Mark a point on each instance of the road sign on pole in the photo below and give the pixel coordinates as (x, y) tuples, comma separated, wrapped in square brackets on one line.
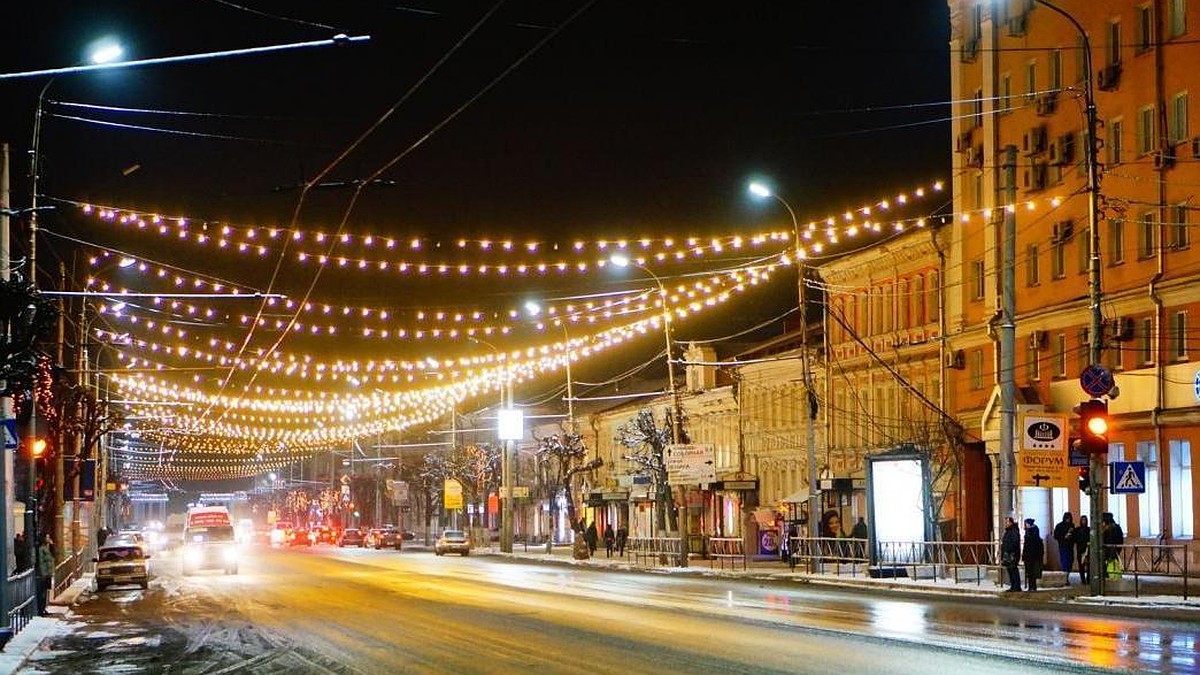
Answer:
[(11, 440), (691, 464), (1128, 478)]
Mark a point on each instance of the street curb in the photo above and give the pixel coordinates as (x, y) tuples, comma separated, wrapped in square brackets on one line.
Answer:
[(1023, 600)]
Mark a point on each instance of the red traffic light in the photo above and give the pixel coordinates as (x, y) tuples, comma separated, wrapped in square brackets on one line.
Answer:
[(1093, 426), (37, 447)]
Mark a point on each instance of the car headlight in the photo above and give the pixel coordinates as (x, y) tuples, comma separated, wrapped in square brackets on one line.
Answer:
[(230, 553), (193, 555)]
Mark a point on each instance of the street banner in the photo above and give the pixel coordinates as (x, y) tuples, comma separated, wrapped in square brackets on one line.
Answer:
[(1042, 451), (452, 494)]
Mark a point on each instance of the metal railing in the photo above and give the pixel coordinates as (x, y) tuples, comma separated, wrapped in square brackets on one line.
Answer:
[(727, 549), (22, 595), (818, 553), (665, 551), (1153, 560), (66, 572), (936, 559)]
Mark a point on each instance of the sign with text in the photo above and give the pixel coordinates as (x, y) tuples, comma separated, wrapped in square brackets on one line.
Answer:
[(1042, 453), (691, 464), (399, 490)]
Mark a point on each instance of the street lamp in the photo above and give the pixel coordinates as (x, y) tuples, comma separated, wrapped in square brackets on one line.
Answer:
[(505, 432), (762, 191)]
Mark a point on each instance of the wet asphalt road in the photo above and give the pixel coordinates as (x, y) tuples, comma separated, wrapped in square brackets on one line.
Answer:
[(329, 610)]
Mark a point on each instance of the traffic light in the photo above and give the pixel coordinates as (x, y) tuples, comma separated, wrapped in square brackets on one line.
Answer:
[(37, 447), (1093, 427), (1085, 480)]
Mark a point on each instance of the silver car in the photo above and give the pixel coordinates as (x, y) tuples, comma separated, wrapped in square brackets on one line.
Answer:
[(453, 541)]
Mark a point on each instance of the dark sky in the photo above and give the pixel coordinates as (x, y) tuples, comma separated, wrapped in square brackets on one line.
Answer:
[(635, 118)]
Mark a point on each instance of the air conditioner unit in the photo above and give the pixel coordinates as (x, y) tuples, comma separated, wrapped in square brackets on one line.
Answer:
[(1063, 230), (1046, 104), (1038, 339), (1165, 158), (1109, 77), (956, 359), (1121, 328)]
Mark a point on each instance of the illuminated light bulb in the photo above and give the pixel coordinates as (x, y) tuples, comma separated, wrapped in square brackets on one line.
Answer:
[(937, 186)]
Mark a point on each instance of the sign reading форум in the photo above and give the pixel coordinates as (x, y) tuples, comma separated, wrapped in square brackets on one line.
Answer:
[(1042, 451)]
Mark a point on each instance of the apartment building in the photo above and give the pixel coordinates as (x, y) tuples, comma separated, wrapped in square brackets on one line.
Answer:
[(1019, 78)]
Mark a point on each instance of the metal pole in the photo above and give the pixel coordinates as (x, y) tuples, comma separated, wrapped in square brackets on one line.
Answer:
[(6, 406), (1096, 464), (810, 395), (506, 510)]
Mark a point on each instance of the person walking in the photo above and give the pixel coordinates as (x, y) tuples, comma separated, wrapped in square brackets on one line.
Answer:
[(622, 537), (1010, 553), (610, 538), (1082, 539), (590, 536), (45, 570), (1113, 538), (1033, 554), (1063, 535)]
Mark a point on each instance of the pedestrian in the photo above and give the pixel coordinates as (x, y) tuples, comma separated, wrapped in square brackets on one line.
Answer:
[(1010, 553), (21, 552), (610, 538), (622, 537), (1063, 532), (859, 531), (1033, 554), (1113, 538), (102, 535), (1082, 539), (45, 570), (591, 537)]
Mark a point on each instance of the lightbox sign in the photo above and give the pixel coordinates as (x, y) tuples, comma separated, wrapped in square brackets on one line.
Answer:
[(1042, 459)]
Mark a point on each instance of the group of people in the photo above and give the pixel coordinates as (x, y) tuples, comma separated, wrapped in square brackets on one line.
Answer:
[(1074, 541), (613, 540)]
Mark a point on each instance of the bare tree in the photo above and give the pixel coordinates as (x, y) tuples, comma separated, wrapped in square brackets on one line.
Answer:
[(648, 442), (560, 458)]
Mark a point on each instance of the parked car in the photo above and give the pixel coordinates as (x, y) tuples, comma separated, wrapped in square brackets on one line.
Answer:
[(121, 564), (453, 541), (409, 535), (300, 537), (351, 536), (384, 537)]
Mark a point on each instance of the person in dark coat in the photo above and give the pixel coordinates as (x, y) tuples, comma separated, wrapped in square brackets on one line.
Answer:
[(1113, 537), (610, 538), (591, 537), (1033, 554), (1082, 540), (622, 536), (22, 552), (45, 572), (1010, 553), (1066, 543)]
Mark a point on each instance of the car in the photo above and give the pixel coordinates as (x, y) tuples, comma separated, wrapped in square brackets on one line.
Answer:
[(209, 547), (352, 536), (125, 538), (121, 564), (382, 537), (409, 535), (280, 533), (453, 541), (326, 535), (299, 537)]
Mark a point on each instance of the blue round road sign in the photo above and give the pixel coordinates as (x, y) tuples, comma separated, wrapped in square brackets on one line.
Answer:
[(1096, 380)]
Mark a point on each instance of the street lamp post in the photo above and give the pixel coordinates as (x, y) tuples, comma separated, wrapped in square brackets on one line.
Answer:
[(761, 190)]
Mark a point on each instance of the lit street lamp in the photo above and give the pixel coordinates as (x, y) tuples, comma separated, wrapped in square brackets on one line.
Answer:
[(761, 190)]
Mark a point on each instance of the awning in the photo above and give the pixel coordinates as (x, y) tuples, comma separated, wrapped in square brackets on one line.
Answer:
[(798, 497)]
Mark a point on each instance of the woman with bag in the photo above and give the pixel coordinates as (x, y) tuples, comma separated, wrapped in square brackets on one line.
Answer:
[(1010, 553)]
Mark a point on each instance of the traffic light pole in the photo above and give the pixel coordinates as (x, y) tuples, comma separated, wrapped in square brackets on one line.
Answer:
[(1096, 465)]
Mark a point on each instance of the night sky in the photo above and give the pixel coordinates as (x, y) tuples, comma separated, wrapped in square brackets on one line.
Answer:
[(632, 119)]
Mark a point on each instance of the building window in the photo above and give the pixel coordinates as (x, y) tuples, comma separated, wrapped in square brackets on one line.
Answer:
[(1056, 70), (1005, 93), (1147, 231), (1182, 515), (1058, 259), (918, 299), (978, 280), (1031, 81), (1150, 501), (1032, 266), (977, 109), (1145, 136), (1085, 349), (1178, 18), (903, 306), (1033, 366), (1117, 504), (1145, 28), (1084, 241), (1060, 355), (1116, 241), (1146, 335), (1114, 43), (1179, 336), (877, 312), (1179, 117), (931, 295), (976, 369), (1115, 144), (1178, 228), (1115, 360)]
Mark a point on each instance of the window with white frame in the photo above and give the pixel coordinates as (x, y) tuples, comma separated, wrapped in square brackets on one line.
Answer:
[(1116, 241), (1178, 18), (1031, 80), (1114, 43), (1056, 70), (977, 109), (1179, 117), (1059, 503), (1146, 336), (1084, 242), (1145, 28), (1150, 501), (1058, 259), (1147, 143), (1117, 504), (931, 297), (1182, 514), (978, 280), (1178, 228), (976, 369), (1116, 145), (1033, 275), (1033, 367)]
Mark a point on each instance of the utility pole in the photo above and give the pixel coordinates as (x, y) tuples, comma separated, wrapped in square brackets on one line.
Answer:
[(6, 406)]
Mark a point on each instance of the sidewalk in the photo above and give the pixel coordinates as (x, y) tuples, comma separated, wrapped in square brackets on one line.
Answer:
[(1159, 597), (24, 644)]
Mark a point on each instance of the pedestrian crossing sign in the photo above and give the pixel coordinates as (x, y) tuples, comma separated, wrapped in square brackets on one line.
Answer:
[(1127, 478), (11, 440)]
